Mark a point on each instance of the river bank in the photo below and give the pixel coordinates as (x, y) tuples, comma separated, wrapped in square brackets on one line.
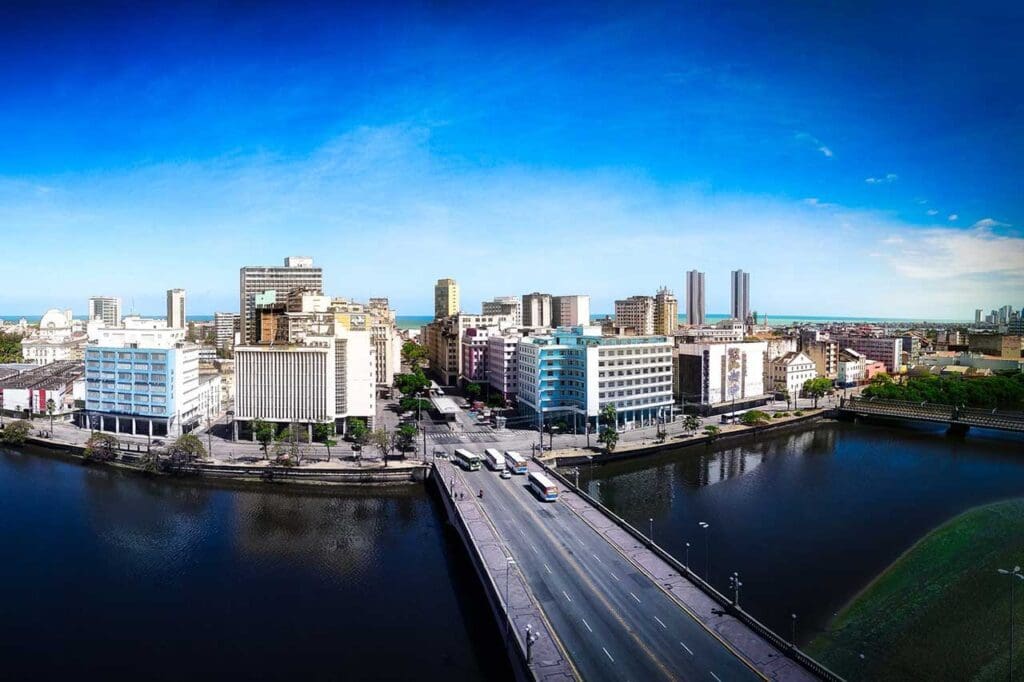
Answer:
[(940, 611)]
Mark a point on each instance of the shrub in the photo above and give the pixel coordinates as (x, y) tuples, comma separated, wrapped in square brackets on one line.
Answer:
[(15, 432)]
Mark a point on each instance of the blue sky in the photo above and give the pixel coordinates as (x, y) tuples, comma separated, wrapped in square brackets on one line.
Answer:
[(855, 158)]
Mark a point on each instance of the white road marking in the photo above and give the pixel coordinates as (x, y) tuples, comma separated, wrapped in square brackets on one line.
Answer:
[(566, 595), (547, 569), (598, 558), (521, 532), (534, 548), (660, 623), (613, 660), (687, 648), (587, 624), (581, 542), (715, 676), (613, 575), (635, 597)]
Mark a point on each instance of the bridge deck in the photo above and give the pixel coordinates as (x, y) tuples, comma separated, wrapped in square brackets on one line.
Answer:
[(619, 611), (943, 414)]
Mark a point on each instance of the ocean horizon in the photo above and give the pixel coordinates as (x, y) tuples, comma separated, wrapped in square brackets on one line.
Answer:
[(416, 321)]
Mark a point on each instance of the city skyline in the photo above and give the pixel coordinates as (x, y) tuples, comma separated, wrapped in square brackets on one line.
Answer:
[(440, 142)]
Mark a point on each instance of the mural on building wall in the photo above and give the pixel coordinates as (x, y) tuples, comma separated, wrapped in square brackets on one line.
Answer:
[(733, 374)]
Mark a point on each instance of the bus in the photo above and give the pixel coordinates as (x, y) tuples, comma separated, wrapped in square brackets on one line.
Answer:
[(495, 460), (543, 486), (516, 463), (467, 460)]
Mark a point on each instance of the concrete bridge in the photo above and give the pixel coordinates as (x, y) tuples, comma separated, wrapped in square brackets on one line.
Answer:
[(603, 602), (955, 416)]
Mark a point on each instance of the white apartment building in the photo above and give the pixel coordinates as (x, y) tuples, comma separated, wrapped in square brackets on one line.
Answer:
[(443, 341), (789, 372), (636, 312), (851, 368), (176, 308), (225, 325), (723, 331), (106, 308), (537, 310), (505, 305), (502, 369)]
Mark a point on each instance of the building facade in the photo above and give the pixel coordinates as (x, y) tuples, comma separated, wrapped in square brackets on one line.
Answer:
[(666, 312), (176, 308), (740, 308), (446, 298), (536, 310), (502, 368), (695, 309), (886, 350), (636, 312), (718, 377), (570, 311), (789, 372), (225, 325), (106, 308), (296, 273), (505, 305)]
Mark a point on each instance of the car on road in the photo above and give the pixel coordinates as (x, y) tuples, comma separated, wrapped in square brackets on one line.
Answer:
[(506, 474), (157, 441)]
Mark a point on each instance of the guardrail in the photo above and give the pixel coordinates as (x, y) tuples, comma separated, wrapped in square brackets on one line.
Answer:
[(952, 414), (788, 648)]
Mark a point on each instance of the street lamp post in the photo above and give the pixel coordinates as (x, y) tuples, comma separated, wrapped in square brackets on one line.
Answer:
[(687, 561), (734, 582), (1015, 572), (650, 521), (509, 563), (576, 471), (793, 639), (531, 638), (707, 550)]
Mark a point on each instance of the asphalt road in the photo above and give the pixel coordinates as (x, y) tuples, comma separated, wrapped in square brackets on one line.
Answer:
[(615, 623)]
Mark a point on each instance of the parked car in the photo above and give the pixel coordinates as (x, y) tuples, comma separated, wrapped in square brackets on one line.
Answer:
[(506, 474)]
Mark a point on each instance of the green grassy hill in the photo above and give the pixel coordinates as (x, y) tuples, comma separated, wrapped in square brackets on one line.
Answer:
[(940, 612)]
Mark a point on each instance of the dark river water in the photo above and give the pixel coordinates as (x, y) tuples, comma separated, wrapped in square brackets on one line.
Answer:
[(808, 518), (111, 575)]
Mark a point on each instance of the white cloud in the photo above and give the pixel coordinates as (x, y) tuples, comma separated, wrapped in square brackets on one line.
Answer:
[(932, 211), (886, 179), (818, 144), (947, 253), (953, 216), (987, 223)]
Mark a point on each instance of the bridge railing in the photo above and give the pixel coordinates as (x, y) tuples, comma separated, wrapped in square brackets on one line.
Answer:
[(972, 416), (788, 648)]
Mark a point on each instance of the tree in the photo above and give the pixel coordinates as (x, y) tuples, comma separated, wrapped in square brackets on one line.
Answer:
[(712, 431), (816, 388), (10, 347), (609, 433), (405, 437), (755, 418), (411, 404), (324, 433), (357, 430), (784, 393), (413, 354), (101, 447), (264, 433), (691, 423), (288, 443), (51, 407), (412, 383), (186, 448), (15, 432), (381, 439), (473, 391)]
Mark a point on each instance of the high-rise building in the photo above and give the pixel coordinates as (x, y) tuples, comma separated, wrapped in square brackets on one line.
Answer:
[(695, 310), (636, 312), (536, 310), (106, 308), (297, 273), (666, 312), (176, 308), (224, 327), (978, 315), (504, 305), (446, 298), (740, 295), (570, 311)]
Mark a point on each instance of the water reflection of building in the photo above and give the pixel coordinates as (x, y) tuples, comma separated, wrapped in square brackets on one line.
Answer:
[(642, 494)]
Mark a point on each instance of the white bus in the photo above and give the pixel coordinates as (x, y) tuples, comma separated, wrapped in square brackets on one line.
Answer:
[(495, 460), (543, 486), (516, 463), (467, 460)]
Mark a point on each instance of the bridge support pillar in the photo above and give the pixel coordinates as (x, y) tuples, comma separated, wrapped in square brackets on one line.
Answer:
[(959, 429)]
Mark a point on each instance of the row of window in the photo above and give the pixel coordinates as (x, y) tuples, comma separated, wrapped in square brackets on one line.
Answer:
[(634, 391), (125, 355)]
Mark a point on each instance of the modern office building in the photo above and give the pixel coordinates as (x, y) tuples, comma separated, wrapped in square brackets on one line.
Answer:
[(718, 377), (176, 308), (536, 310), (505, 305), (296, 273), (636, 312), (225, 325), (666, 312), (740, 309), (446, 298), (142, 378), (695, 309), (572, 374), (978, 315), (570, 311), (106, 308)]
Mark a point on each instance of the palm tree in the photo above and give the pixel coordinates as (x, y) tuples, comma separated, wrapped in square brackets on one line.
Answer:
[(51, 407)]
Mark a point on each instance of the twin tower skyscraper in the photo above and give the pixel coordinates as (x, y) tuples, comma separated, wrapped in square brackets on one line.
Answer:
[(695, 306)]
